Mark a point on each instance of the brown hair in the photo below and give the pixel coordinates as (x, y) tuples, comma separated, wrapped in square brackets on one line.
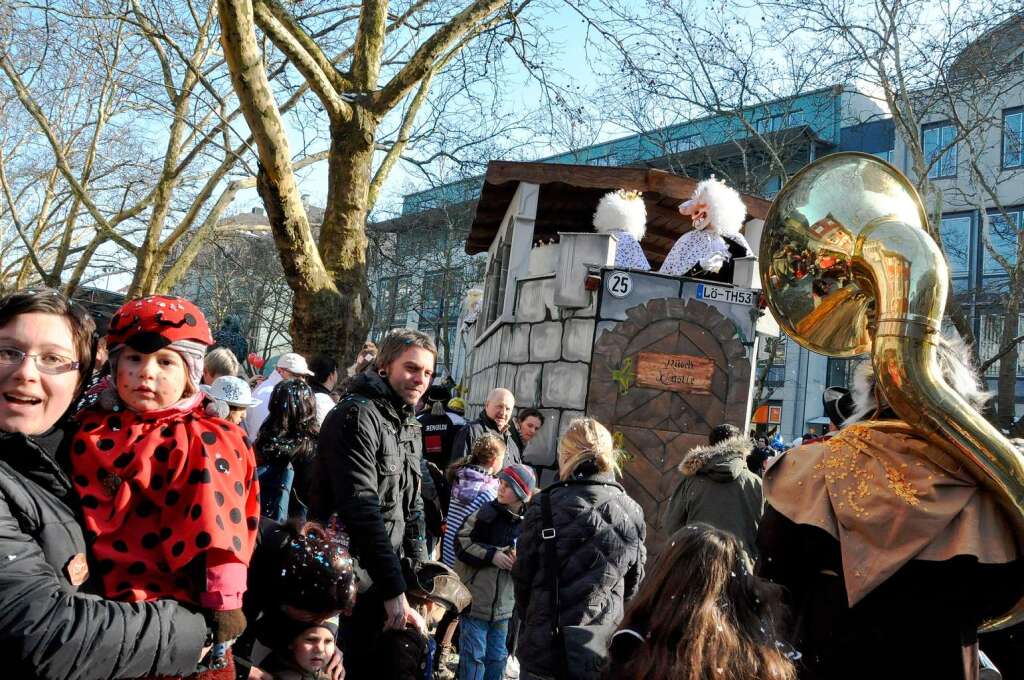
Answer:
[(49, 301), (397, 341), (486, 449), (586, 439), (704, 615)]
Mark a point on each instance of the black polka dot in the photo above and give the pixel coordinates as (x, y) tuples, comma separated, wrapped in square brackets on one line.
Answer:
[(190, 320), (239, 489), (224, 426), (171, 498), (137, 568), (162, 453), (208, 438), (120, 546), (167, 432), (183, 583), (90, 501), (89, 427), (124, 459), (114, 423), (197, 511), (78, 447), (203, 540), (235, 515), (178, 548), (123, 585), (165, 533), (101, 474), (238, 454), (156, 483), (105, 566), (222, 466), (145, 508), (152, 587), (219, 498), (81, 480), (237, 542), (163, 567), (150, 541), (220, 523), (199, 477), (252, 523), (105, 444)]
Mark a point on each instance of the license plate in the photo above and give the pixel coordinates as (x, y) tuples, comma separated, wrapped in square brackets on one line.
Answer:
[(734, 296)]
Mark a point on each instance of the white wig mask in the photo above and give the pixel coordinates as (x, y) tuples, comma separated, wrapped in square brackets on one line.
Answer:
[(622, 211), (715, 206)]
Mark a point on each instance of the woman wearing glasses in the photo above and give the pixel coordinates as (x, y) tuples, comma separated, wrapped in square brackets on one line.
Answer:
[(48, 627)]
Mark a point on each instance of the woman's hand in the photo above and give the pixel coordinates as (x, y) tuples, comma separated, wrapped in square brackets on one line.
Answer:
[(503, 560), (257, 674), (335, 668)]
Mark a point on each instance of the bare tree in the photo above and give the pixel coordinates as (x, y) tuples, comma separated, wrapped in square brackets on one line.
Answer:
[(387, 70)]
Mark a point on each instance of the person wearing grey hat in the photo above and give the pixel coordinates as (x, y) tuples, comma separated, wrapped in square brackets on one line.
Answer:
[(290, 365)]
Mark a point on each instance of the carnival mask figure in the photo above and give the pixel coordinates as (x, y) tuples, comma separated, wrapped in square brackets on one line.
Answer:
[(623, 214), (717, 212)]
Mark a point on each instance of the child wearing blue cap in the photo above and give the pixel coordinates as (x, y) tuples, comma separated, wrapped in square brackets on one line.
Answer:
[(486, 552)]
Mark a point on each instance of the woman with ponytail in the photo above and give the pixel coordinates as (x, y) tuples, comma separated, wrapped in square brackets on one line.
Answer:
[(580, 556)]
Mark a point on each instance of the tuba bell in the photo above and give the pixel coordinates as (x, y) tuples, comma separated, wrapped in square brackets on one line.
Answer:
[(848, 267)]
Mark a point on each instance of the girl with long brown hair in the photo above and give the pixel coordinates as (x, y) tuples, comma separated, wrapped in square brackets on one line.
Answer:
[(701, 616)]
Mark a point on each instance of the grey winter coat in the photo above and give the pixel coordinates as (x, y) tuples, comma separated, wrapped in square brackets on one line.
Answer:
[(468, 435), (600, 534), (492, 528), (718, 489), (370, 474), (48, 628)]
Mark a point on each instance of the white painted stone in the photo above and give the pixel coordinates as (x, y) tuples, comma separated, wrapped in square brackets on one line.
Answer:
[(578, 339), (530, 305), (506, 376), (564, 385), (527, 385), (546, 341), (519, 344)]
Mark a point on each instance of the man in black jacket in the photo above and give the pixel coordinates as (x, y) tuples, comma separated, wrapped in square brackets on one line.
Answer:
[(370, 453), (496, 419)]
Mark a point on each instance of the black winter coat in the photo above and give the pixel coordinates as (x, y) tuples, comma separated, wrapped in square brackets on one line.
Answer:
[(600, 534), (369, 473), (468, 435), (48, 629)]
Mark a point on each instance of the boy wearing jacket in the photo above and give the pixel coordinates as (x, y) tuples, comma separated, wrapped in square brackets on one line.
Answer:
[(485, 548)]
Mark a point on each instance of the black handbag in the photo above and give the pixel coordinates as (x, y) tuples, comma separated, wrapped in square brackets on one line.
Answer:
[(584, 648)]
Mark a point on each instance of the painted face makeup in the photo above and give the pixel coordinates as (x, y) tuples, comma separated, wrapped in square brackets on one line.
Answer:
[(147, 382)]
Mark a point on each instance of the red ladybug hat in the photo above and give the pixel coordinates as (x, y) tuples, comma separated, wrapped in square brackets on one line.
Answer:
[(152, 323)]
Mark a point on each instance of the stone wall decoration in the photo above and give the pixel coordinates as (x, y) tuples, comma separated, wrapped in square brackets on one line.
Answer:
[(676, 372), (658, 425)]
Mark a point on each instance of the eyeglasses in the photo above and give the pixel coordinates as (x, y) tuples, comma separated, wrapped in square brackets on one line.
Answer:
[(48, 363)]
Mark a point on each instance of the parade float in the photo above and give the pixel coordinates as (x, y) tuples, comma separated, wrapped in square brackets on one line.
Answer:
[(564, 323)]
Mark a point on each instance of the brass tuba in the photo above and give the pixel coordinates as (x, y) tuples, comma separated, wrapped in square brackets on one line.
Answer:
[(848, 267)]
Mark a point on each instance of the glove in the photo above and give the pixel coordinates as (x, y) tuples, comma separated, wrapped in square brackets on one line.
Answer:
[(226, 625), (712, 263)]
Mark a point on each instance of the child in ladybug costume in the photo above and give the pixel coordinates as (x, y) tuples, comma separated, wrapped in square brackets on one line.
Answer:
[(167, 492)]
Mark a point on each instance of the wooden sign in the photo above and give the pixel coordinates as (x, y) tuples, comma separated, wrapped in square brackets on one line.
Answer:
[(675, 372)]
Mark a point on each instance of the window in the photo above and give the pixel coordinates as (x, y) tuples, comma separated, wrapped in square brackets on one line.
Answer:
[(939, 149), (779, 121), (603, 160), (956, 233), (433, 298), (394, 301), (682, 144), (795, 118), (884, 155), (1013, 134), (771, 186), (990, 339), (1002, 236)]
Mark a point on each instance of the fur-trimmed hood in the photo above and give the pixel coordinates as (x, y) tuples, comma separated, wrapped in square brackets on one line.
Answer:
[(723, 462)]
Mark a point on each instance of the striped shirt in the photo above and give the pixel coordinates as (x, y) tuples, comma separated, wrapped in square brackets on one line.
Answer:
[(457, 514)]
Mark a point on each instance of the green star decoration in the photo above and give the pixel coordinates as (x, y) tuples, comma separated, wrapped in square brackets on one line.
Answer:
[(624, 375)]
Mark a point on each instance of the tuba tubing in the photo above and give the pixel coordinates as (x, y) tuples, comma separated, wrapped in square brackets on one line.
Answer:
[(847, 235)]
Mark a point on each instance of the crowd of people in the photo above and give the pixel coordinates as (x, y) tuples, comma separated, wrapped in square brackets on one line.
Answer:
[(163, 515)]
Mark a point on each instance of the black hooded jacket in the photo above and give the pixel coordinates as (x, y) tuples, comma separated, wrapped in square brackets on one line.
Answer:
[(468, 435), (48, 628), (369, 473)]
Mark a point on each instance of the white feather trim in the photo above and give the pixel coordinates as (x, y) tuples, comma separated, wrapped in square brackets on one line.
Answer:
[(621, 211)]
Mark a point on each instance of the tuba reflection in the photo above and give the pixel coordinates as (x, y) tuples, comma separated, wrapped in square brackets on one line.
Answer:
[(848, 267)]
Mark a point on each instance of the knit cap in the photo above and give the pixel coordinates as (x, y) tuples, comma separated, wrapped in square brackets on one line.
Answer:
[(520, 478)]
